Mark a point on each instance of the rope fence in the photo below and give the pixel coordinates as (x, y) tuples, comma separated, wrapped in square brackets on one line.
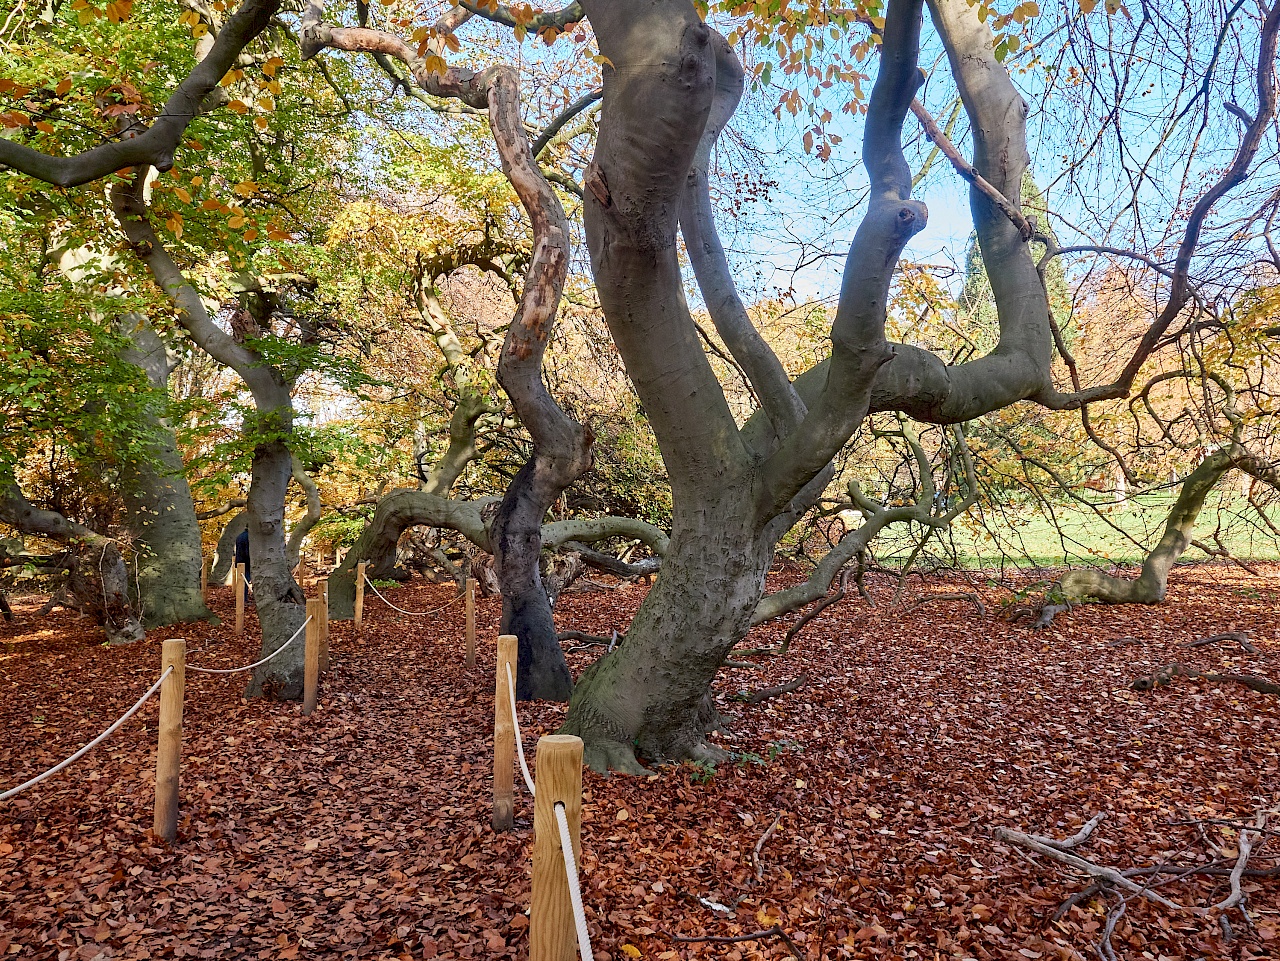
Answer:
[(557, 917), (571, 875), (557, 914), (373, 587), (468, 595), (250, 667), (172, 688), (91, 745)]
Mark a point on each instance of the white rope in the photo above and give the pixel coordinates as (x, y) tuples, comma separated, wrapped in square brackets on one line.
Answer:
[(92, 744), (515, 723), (369, 584), (575, 894), (250, 667)]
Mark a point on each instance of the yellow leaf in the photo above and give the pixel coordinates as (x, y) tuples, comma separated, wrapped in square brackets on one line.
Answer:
[(199, 30), (245, 188), (261, 123), (271, 66), (197, 180), (622, 814), (250, 235), (182, 195), (435, 64), (631, 951), (44, 126), (62, 88), (235, 223), (238, 106)]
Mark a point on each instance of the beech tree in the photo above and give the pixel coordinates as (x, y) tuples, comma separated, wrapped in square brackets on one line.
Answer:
[(670, 86)]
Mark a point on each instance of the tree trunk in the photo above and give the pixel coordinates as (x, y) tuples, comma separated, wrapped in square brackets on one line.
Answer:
[(159, 511), (526, 609), (652, 692), (279, 600), (1152, 583), (224, 555), (99, 580)]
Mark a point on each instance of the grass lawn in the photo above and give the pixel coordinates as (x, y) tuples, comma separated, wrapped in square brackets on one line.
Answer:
[(1070, 533)]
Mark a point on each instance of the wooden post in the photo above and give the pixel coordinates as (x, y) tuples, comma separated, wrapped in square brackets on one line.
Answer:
[(311, 675), (169, 746), (239, 582), (322, 592), (552, 935), (504, 736), (471, 622), (204, 575), (360, 574)]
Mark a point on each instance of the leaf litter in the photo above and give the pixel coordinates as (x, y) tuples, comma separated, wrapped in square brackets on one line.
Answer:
[(363, 830)]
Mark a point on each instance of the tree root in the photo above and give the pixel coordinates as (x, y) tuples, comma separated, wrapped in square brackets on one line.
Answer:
[(605, 757), (1166, 674), (757, 697), (1241, 636), (1047, 613)]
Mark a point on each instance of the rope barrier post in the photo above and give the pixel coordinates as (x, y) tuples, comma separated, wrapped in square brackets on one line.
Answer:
[(239, 588), (471, 622), (311, 675), (169, 746), (322, 592), (553, 934), (504, 732), (360, 569)]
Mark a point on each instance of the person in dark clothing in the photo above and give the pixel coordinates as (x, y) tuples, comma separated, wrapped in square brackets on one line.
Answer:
[(242, 557)]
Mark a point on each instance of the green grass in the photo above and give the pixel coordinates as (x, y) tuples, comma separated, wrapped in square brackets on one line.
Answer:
[(1028, 536)]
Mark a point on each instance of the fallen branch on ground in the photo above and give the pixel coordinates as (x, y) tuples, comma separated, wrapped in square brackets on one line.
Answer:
[(1076, 839), (971, 598), (1241, 636), (755, 855), (1110, 875), (1167, 673), (756, 697), (774, 932)]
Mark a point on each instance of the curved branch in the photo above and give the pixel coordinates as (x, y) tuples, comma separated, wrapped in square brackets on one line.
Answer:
[(556, 125), (157, 145)]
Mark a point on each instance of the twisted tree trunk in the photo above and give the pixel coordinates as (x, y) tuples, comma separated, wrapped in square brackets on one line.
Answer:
[(1152, 583), (159, 511), (99, 580)]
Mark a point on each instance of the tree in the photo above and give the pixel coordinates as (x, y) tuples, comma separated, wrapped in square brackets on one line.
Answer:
[(672, 84)]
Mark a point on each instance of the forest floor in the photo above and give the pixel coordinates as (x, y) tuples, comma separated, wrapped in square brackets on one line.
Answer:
[(363, 831)]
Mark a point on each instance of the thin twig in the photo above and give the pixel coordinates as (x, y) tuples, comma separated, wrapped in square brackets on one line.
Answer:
[(755, 855), (774, 932)]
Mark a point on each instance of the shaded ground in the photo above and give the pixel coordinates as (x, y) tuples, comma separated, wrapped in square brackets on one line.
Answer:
[(362, 831)]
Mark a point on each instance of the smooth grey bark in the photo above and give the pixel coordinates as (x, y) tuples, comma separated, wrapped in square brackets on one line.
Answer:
[(302, 526), (671, 81), (224, 556), (99, 579), (1152, 583), (561, 446), (278, 599), (159, 511), (396, 512)]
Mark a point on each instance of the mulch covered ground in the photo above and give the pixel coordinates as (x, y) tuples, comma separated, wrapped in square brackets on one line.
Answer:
[(363, 830)]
